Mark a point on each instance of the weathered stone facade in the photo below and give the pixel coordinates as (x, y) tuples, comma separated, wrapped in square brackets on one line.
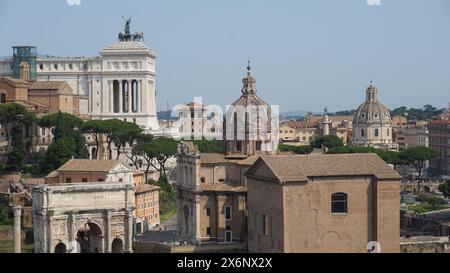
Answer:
[(89, 217), (292, 206)]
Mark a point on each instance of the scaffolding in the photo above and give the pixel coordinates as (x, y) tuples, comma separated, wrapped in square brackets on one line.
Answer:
[(24, 54)]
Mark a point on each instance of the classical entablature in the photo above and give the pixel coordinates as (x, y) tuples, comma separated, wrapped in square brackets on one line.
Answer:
[(88, 217)]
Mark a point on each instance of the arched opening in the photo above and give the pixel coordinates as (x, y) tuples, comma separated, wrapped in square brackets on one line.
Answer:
[(60, 248), (427, 189), (117, 246), (94, 153), (116, 98), (90, 238)]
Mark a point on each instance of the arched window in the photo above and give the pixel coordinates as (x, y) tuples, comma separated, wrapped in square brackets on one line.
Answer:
[(339, 203)]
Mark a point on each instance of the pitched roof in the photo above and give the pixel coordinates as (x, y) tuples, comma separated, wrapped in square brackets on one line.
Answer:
[(146, 188), (289, 168), (87, 165), (223, 187), (215, 158), (13, 81), (48, 85)]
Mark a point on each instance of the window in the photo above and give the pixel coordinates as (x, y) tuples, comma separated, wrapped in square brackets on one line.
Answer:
[(221, 180), (100, 180), (256, 222), (68, 180), (84, 180), (55, 66), (227, 213), (208, 231), (388, 132), (339, 203), (271, 227), (156, 215), (208, 212), (43, 131), (202, 179), (228, 236), (363, 133), (41, 66), (265, 222), (377, 132), (258, 145), (70, 66), (239, 146)]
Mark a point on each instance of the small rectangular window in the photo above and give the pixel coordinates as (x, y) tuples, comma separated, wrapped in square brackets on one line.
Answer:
[(68, 180), (70, 66), (84, 180), (208, 212), (265, 225), (228, 213), (339, 203)]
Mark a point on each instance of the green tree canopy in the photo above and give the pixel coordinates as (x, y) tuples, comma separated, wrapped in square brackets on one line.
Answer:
[(70, 121), (157, 149), (329, 142), (94, 128), (445, 188), (58, 153), (417, 157), (209, 146), (303, 150), (16, 158), (125, 132)]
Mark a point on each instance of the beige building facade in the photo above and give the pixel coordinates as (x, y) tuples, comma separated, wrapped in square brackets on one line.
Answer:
[(322, 203)]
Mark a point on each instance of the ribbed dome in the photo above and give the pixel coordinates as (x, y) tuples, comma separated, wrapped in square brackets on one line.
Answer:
[(249, 96), (372, 111)]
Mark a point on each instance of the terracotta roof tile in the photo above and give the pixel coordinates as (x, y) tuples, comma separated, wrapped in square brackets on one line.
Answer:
[(300, 167), (87, 165)]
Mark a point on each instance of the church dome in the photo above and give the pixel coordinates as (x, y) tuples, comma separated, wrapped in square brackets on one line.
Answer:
[(372, 123), (249, 96), (372, 111)]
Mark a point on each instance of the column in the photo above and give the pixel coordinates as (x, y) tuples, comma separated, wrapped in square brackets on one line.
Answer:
[(130, 89), (138, 85), (108, 231), (120, 96), (129, 234), (17, 232), (50, 233), (71, 248), (111, 96), (197, 213), (140, 90)]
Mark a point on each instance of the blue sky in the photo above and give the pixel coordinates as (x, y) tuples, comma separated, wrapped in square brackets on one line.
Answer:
[(305, 54)]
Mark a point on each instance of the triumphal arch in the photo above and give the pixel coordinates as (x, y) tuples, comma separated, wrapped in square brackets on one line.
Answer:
[(83, 218)]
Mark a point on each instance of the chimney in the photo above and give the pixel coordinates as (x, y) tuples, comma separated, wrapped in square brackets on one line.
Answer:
[(24, 71)]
